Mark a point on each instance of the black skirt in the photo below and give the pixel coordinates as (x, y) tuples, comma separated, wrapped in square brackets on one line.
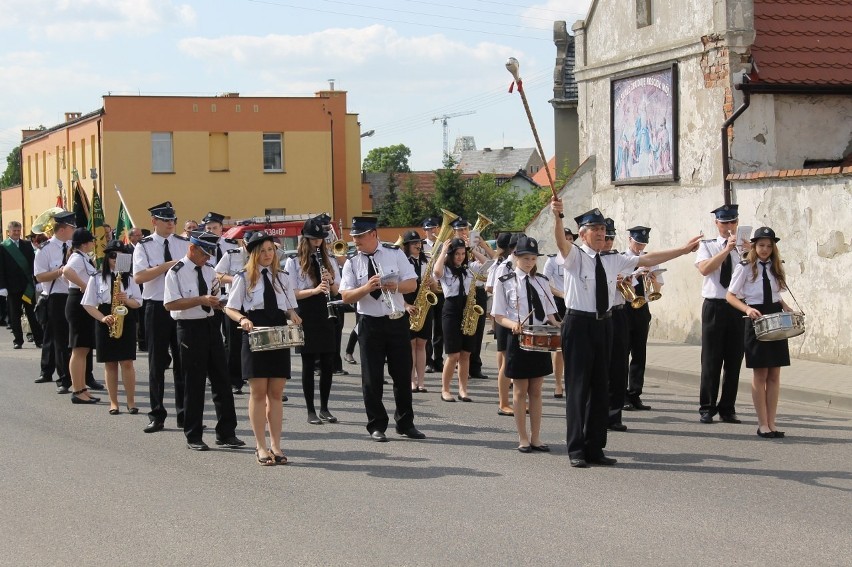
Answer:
[(765, 354), (122, 348), (501, 337), (318, 328), (451, 324), (521, 364), (81, 325), (267, 363)]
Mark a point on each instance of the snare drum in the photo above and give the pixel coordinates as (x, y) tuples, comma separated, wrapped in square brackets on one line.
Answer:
[(540, 338), (779, 326), (274, 338)]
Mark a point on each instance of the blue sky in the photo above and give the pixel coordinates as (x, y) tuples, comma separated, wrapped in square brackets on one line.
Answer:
[(402, 62)]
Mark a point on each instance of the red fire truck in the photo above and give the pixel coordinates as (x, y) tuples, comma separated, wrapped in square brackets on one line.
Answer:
[(285, 228)]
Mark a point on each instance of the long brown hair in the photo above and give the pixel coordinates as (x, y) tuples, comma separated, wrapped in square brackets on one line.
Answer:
[(306, 254), (776, 268), (253, 268)]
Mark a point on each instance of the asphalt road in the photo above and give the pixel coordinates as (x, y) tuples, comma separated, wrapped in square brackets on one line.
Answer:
[(81, 487)]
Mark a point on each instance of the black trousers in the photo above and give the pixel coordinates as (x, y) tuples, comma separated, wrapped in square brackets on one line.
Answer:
[(202, 356), (235, 349), (618, 363), (381, 338), (353, 336), (475, 358), (140, 325), (58, 325), (326, 370), (48, 358), (16, 307), (587, 348), (161, 335), (435, 347), (338, 340), (722, 347), (640, 323)]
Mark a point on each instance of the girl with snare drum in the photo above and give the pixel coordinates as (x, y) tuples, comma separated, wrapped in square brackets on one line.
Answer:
[(755, 290)]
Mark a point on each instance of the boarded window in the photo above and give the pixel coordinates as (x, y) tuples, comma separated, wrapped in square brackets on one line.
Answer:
[(643, 13), (162, 156), (218, 151)]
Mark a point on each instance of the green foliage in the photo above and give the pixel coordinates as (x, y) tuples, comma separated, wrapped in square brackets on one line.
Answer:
[(498, 203), (12, 175), (387, 159), (449, 187), (530, 205), (387, 211)]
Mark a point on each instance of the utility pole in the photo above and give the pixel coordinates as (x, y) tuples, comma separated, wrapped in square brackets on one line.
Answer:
[(443, 119)]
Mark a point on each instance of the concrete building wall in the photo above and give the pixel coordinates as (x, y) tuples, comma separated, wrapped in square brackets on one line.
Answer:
[(12, 205)]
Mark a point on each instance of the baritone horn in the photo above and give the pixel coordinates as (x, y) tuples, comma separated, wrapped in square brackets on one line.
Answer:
[(44, 223), (629, 294)]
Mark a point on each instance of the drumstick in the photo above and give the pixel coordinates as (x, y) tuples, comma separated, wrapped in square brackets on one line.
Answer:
[(527, 317)]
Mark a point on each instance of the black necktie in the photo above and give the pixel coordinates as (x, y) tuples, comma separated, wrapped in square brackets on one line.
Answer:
[(640, 286), (601, 289), (534, 301), (167, 255), (269, 301), (202, 287), (64, 252), (218, 253), (767, 287), (727, 269), (371, 271)]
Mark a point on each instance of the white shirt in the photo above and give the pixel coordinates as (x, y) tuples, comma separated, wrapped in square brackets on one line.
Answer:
[(555, 272), (80, 263), (450, 283), (499, 268), (392, 261), (47, 259), (510, 297), (181, 282), (225, 245), (298, 279), (243, 299), (580, 280), (711, 288), (148, 253), (99, 290), (751, 290)]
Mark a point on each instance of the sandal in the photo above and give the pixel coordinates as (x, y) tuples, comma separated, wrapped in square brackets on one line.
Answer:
[(264, 461), (279, 459)]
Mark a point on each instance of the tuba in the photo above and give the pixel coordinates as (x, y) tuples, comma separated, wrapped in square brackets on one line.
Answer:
[(44, 223), (426, 298)]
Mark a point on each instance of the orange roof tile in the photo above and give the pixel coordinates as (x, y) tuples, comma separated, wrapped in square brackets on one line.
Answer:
[(541, 175), (802, 42)]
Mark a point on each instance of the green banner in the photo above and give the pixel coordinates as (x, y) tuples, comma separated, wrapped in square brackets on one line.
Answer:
[(96, 227), (123, 226)]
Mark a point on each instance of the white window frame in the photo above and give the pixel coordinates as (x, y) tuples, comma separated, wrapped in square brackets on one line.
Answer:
[(162, 152), (269, 141)]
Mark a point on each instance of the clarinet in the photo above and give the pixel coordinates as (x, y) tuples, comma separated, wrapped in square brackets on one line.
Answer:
[(324, 275)]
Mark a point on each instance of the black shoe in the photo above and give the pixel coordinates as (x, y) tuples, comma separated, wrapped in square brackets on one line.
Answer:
[(706, 418), (62, 389), (603, 460), (95, 386), (578, 463), (480, 376), (628, 407), (179, 421), (325, 415), (313, 419), (464, 399), (17, 346), (778, 434), (153, 427), (197, 446), (132, 411), (231, 442), (543, 448), (767, 435), (378, 436), (430, 369), (78, 400), (617, 427), (284, 398), (637, 404), (340, 372), (524, 449), (349, 358), (729, 418), (412, 433), (237, 391), (43, 380)]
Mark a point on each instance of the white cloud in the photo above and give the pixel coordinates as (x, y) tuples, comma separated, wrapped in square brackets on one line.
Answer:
[(100, 19), (568, 11)]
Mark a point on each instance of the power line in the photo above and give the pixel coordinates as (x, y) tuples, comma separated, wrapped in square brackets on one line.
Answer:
[(455, 7)]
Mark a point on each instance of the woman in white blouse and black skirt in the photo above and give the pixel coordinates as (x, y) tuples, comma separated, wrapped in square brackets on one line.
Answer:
[(519, 294), (755, 290), (313, 283), (261, 296), (81, 328), (115, 351)]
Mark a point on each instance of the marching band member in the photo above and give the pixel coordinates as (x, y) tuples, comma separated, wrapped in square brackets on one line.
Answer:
[(191, 300), (506, 243), (313, 282), (721, 324), (590, 278), (153, 256), (639, 321), (47, 267), (556, 276), (619, 353), (261, 296), (461, 229), (339, 259), (756, 291), (435, 344), (412, 246), (517, 293), (455, 276), (81, 328), (232, 261), (382, 334), (115, 351)]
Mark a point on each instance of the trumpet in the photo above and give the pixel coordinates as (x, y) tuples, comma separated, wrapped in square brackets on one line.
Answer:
[(387, 297), (629, 294), (326, 277)]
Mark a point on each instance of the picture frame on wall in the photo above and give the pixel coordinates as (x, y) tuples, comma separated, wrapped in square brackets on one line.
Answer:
[(644, 127)]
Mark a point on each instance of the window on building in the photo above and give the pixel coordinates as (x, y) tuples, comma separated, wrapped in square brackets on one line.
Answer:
[(162, 160), (83, 156), (37, 184), (218, 142), (643, 13), (273, 152)]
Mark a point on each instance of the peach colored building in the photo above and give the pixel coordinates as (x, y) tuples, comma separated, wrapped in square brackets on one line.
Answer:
[(240, 156)]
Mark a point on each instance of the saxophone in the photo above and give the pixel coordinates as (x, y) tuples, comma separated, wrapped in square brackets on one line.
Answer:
[(425, 298), (472, 311), (118, 311)]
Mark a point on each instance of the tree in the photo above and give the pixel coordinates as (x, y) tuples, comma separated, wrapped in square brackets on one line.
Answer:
[(387, 210), (498, 203), (12, 175), (448, 189), (411, 208), (388, 159)]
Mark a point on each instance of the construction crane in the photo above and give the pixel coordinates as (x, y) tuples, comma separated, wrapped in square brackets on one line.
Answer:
[(443, 118)]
